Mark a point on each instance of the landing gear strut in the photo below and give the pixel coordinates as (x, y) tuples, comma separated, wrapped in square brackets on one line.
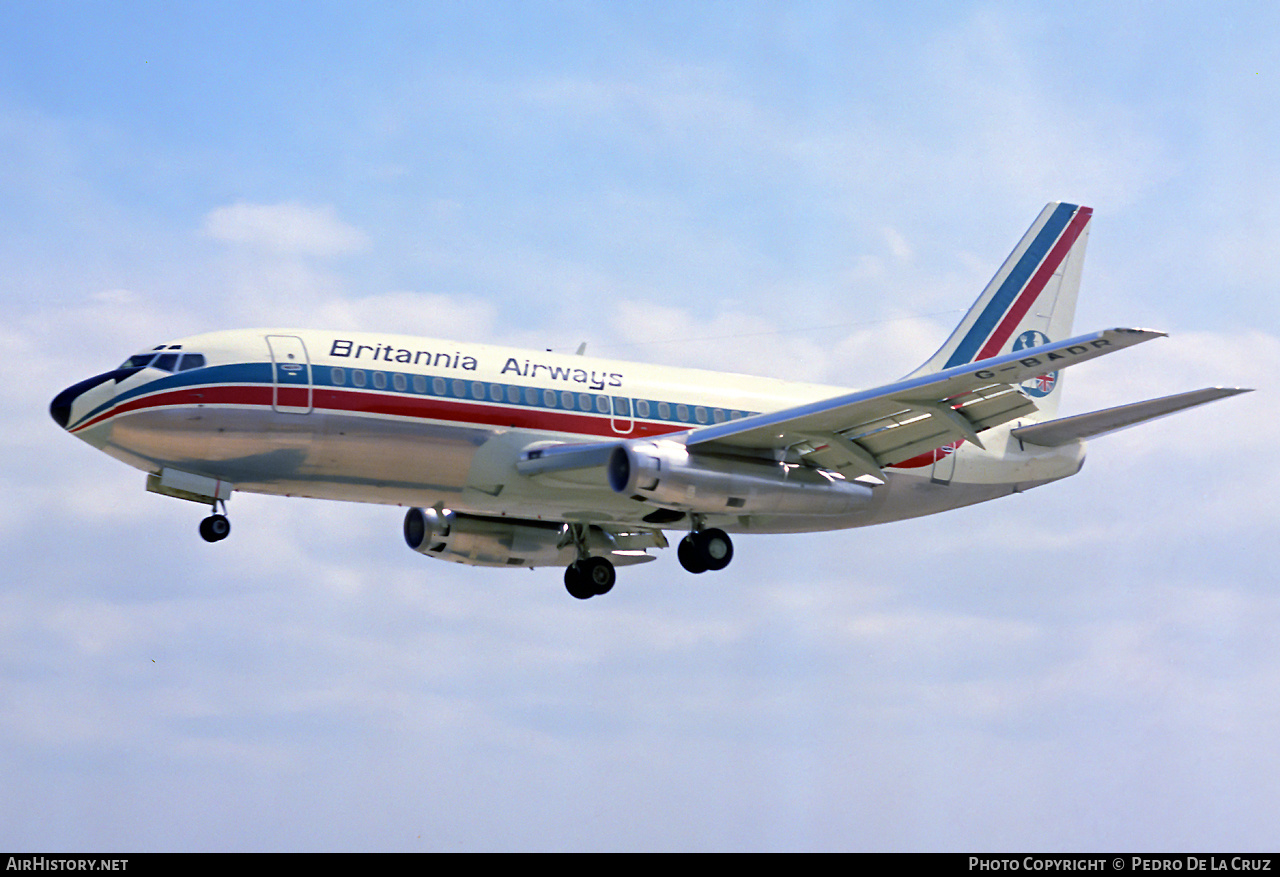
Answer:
[(587, 576), (216, 527), (704, 550)]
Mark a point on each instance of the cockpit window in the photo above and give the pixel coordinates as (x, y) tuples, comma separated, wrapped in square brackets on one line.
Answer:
[(170, 362), (138, 361)]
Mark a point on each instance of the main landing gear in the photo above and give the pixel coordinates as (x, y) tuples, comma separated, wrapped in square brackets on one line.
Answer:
[(587, 576), (704, 550), (216, 527)]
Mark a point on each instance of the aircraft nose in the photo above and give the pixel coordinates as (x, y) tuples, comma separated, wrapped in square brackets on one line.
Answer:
[(60, 407)]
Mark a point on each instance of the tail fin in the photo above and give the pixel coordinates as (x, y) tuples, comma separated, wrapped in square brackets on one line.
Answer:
[(1031, 301)]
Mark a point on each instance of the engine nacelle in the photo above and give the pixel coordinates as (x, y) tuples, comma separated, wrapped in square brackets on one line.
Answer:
[(479, 541), (664, 472)]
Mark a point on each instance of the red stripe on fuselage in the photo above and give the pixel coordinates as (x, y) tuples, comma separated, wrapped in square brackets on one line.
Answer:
[(482, 413), (1019, 308), (410, 407), (928, 458), (205, 394)]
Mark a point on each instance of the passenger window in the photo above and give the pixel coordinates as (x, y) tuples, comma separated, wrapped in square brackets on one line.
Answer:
[(357, 377), (495, 392), (437, 386), (642, 407), (566, 400), (602, 404), (400, 382), (700, 414), (477, 390), (530, 396), (459, 390), (549, 398), (339, 376), (682, 412), (584, 402), (718, 414), (621, 406), (419, 384), (379, 380), (513, 395), (664, 411)]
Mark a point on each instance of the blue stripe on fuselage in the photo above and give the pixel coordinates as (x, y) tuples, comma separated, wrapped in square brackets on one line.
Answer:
[(322, 378), (238, 373)]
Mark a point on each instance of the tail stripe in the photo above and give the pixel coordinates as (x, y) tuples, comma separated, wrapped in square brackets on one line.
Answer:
[(1020, 289), (1019, 310)]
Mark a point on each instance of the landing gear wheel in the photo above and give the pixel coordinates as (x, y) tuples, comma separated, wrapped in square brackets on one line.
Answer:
[(705, 550), (215, 528), (690, 555), (576, 583), (717, 548), (599, 572), (589, 577)]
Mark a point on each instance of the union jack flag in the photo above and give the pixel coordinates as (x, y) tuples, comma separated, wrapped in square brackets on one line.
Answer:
[(1045, 383)]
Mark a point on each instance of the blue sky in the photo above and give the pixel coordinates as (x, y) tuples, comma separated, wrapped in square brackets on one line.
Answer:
[(809, 191)]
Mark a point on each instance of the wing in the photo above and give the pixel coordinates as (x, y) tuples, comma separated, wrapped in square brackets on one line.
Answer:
[(862, 433)]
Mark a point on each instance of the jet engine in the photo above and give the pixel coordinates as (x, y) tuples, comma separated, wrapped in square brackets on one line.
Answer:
[(664, 472), (481, 541)]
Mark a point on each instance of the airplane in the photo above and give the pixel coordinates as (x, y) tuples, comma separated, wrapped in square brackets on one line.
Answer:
[(522, 458)]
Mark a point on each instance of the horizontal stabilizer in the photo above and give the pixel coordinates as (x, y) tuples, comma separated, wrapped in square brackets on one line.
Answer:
[(1065, 430)]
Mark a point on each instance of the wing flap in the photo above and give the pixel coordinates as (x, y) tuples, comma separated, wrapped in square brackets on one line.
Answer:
[(996, 406)]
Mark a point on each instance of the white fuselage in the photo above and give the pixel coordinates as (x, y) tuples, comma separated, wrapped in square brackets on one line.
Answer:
[(418, 422)]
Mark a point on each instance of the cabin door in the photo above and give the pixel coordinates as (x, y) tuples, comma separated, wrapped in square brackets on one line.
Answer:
[(290, 374)]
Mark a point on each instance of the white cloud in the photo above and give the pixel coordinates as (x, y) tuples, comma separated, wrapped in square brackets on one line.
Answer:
[(288, 228)]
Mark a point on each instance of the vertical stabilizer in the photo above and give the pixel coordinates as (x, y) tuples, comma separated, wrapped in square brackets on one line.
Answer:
[(1031, 300)]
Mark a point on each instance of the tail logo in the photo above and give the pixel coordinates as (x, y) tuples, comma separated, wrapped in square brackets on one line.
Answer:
[(1043, 385)]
